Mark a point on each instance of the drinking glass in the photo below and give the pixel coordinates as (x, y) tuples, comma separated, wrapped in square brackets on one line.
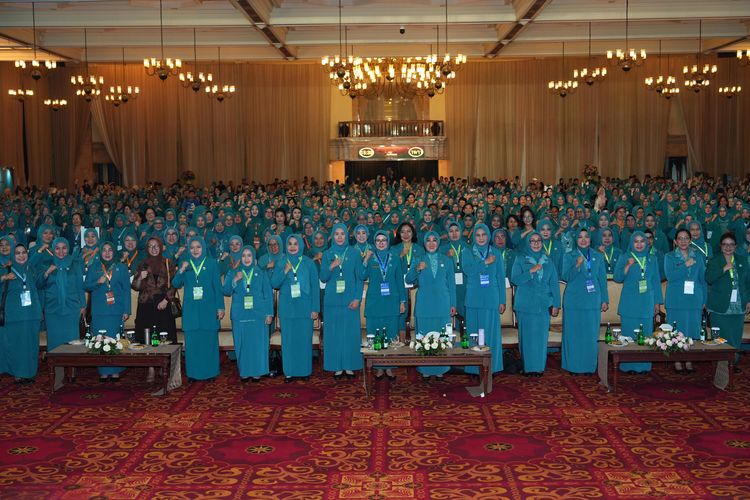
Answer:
[(163, 337)]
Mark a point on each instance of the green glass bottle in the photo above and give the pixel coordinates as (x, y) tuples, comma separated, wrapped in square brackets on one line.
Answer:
[(608, 334), (378, 345), (641, 338), (384, 341), (154, 339), (703, 333), (464, 336)]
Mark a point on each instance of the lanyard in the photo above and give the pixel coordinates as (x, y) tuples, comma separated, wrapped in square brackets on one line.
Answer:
[(341, 259), (703, 250), (731, 271), (294, 268), (234, 264), (108, 276), (609, 257), (23, 278), (641, 263), (199, 269), (457, 252), (547, 249), (364, 252), (383, 265), (248, 279), (408, 254), (587, 257), (90, 255), (130, 261), (486, 254)]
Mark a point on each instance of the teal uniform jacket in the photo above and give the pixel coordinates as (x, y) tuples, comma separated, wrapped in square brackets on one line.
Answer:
[(347, 271), (610, 256), (259, 289), (62, 291), (577, 295), (554, 251), (632, 301), (677, 273), (460, 252), (491, 294), (436, 294), (200, 313), (119, 285), (377, 303), (720, 282), (14, 311), (19, 337), (309, 299), (535, 295)]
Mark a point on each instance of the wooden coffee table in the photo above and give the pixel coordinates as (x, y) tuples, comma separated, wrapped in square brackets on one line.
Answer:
[(404, 356)]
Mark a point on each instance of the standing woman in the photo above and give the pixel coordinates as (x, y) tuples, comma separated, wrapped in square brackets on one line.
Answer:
[(19, 338), (409, 252), (90, 252), (202, 311), (685, 270), (537, 296), (457, 249), (61, 285), (109, 284), (484, 267), (386, 295), (585, 298), (296, 277), (610, 251), (638, 271), (152, 281), (436, 295), (251, 313), (728, 291), (343, 292)]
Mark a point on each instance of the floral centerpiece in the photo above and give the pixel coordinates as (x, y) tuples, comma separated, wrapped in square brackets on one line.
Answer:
[(101, 344), (430, 344), (668, 341), (591, 173)]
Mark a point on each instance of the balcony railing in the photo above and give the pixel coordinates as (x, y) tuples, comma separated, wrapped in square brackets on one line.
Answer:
[(385, 128)]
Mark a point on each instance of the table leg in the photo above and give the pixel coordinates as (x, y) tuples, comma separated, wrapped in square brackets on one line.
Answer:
[(730, 369), (166, 371), (484, 375), (368, 377), (616, 374), (51, 367)]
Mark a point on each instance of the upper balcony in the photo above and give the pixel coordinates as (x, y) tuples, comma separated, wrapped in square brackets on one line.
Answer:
[(388, 128)]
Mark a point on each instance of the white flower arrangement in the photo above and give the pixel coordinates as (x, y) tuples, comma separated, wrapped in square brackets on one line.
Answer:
[(430, 344), (668, 341), (101, 344)]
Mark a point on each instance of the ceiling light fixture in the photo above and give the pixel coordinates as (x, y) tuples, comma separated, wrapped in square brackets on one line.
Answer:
[(35, 64), (628, 58), (560, 87), (162, 67), (196, 80), (593, 75)]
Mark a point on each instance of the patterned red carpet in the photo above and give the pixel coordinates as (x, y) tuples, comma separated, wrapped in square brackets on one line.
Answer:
[(556, 437)]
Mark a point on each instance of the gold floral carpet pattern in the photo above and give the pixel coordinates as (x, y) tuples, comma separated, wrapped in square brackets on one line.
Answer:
[(661, 435)]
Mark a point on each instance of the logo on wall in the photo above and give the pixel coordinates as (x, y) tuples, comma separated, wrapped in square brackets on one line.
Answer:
[(416, 152), (366, 152)]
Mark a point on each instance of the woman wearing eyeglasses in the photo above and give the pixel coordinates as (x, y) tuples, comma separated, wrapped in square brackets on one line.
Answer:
[(685, 270), (728, 290)]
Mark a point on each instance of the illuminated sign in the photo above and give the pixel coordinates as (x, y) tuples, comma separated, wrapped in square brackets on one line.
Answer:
[(391, 152), (366, 152), (416, 152)]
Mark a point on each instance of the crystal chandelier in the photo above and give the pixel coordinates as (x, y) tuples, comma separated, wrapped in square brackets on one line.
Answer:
[(665, 86), (87, 86), (21, 95), (593, 74), (627, 58), (197, 80), (744, 60), (698, 76), (730, 92), (560, 87), (55, 104), (162, 67), (122, 94), (217, 90), (35, 64)]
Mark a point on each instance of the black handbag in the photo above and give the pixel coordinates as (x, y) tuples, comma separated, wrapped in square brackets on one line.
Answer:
[(175, 306), (2, 303)]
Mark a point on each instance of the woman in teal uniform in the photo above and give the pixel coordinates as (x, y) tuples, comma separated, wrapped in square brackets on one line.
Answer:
[(551, 247), (109, 284), (273, 257), (698, 242), (436, 295), (386, 294), (296, 278), (485, 294), (500, 240), (61, 285), (40, 256), (230, 262), (456, 248), (584, 299), (728, 291), (19, 337), (203, 309), (609, 251), (537, 296), (90, 252), (410, 252), (251, 313), (685, 271), (638, 271), (343, 292)]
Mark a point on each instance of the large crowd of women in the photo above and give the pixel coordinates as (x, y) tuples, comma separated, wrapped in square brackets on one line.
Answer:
[(300, 251)]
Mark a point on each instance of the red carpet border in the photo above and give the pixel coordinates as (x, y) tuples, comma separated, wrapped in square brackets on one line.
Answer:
[(662, 435)]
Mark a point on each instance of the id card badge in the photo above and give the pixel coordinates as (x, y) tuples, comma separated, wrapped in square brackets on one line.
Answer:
[(507, 282), (734, 297), (295, 290), (689, 288), (642, 286), (131, 279), (248, 302), (407, 285), (110, 295), (709, 234), (340, 286), (590, 286), (322, 285), (25, 298), (385, 289), (610, 276), (484, 280), (119, 248), (197, 293), (459, 278)]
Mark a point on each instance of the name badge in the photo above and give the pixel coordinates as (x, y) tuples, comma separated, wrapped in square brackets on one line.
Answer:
[(689, 288), (119, 248), (110, 296), (322, 285), (295, 290), (590, 286), (610, 276), (385, 289), (408, 285), (507, 282), (248, 303), (708, 234), (642, 286), (340, 286), (734, 296), (84, 277), (131, 279), (484, 280), (25, 298), (459, 278), (197, 293)]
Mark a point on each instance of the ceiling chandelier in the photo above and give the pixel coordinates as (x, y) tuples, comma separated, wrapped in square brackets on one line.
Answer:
[(391, 76), (87, 86), (560, 87), (162, 67), (55, 104), (196, 80), (730, 92), (217, 90), (122, 94), (35, 64), (744, 60), (21, 95), (696, 76), (593, 74), (627, 58), (665, 86)]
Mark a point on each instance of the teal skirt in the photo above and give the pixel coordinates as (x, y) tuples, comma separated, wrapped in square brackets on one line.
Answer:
[(201, 354), (19, 348)]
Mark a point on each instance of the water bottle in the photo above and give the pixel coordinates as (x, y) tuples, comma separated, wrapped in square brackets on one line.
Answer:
[(154, 338), (608, 334), (385, 342)]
